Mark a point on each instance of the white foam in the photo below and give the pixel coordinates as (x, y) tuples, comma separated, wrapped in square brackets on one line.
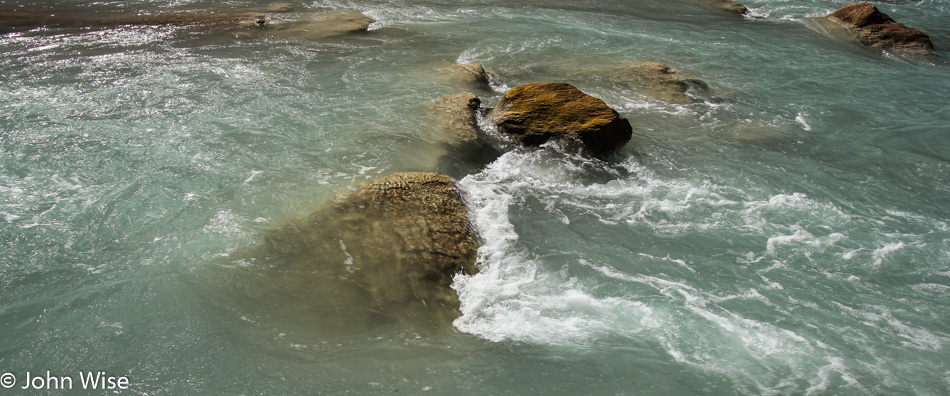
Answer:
[(935, 288), (348, 261), (785, 11), (800, 235), (506, 300), (9, 217), (251, 177), (801, 120), (880, 254), (226, 223), (510, 300), (835, 366), (680, 262)]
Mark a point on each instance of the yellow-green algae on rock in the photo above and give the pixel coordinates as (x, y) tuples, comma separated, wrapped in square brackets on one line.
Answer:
[(537, 112)]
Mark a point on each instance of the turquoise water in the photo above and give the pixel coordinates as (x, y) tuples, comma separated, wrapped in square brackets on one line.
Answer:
[(786, 234)]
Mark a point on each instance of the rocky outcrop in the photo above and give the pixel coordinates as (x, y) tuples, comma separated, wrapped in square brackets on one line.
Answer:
[(399, 240), (25, 19), (535, 113), (875, 29), (663, 82), (323, 24)]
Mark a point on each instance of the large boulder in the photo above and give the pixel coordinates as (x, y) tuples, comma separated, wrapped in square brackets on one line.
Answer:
[(534, 113), (395, 243), (663, 82), (875, 29)]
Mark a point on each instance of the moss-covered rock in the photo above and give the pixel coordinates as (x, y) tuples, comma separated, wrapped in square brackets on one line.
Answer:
[(537, 112)]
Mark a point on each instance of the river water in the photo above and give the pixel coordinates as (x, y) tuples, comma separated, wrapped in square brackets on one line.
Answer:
[(787, 233)]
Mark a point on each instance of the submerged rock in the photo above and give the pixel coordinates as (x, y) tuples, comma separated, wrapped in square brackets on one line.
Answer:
[(467, 76), (473, 72), (466, 148), (875, 29), (458, 125), (395, 243), (537, 112), (320, 25), (731, 6), (665, 83)]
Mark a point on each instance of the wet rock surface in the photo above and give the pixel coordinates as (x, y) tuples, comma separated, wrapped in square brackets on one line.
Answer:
[(535, 113), (876, 29)]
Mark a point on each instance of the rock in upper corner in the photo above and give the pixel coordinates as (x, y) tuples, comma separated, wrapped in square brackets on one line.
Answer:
[(666, 83), (876, 29), (537, 112)]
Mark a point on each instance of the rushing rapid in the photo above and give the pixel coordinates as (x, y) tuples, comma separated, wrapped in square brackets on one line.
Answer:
[(786, 232)]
